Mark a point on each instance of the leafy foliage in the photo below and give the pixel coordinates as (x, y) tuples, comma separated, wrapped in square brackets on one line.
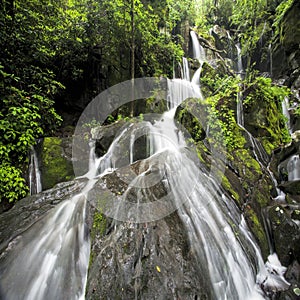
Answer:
[(222, 120), (262, 94), (262, 108), (49, 45), (281, 9), (27, 88)]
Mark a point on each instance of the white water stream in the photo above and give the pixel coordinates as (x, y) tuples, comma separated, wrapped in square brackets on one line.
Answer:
[(50, 260)]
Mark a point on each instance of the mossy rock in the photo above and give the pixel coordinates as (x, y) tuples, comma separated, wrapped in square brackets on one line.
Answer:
[(285, 232), (246, 166), (56, 161), (210, 73), (291, 187), (192, 118), (290, 33), (263, 113), (156, 105), (232, 186), (256, 226)]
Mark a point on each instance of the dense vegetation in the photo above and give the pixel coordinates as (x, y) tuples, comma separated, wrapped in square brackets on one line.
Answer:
[(55, 51), (50, 47)]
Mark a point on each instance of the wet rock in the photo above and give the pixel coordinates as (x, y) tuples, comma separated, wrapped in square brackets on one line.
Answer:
[(291, 187), (286, 53), (245, 180), (224, 42), (290, 37), (285, 232), (192, 115), (151, 260), (146, 261), (104, 136), (279, 166), (293, 277), (28, 210)]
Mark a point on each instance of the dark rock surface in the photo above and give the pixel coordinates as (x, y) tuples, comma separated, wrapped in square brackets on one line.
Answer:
[(146, 261)]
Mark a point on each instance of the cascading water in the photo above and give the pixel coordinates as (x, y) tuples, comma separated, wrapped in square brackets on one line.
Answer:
[(293, 168), (50, 259), (285, 111), (35, 184), (240, 72), (229, 38), (198, 50), (206, 212), (270, 59), (54, 252), (199, 54), (186, 69)]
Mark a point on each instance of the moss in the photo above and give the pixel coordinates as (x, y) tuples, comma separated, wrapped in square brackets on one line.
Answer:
[(289, 33), (228, 187), (98, 230), (257, 229), (268, 146), (99, 223), (156, 105), (192, 117), (55, 166), (266, 121), (260, 194), (249, 161), (222, 118), (203, 154), (247, 167)]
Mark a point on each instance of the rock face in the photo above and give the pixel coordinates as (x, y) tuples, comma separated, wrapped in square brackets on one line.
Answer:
[(104, 136), (287, 58), (145, 261), (284, 224)]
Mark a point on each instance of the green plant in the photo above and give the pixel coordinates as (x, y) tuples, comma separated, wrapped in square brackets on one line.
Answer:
[(12, 185), (265, 98), (221, 110), (281, 9)]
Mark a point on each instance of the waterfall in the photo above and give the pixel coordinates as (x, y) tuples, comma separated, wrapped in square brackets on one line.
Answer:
[(199, 54), (259, 152), (206, 212), (53, 254), (263, 160), (230, 42), (240, 72), (285, 111), (271, 59), (35, 184), (50, 259), (240, 69), (186, 69), (198, 50), (293, 168)]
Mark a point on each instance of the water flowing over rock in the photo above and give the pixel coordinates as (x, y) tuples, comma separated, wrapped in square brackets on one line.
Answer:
[(156, 216), (162, 227)]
